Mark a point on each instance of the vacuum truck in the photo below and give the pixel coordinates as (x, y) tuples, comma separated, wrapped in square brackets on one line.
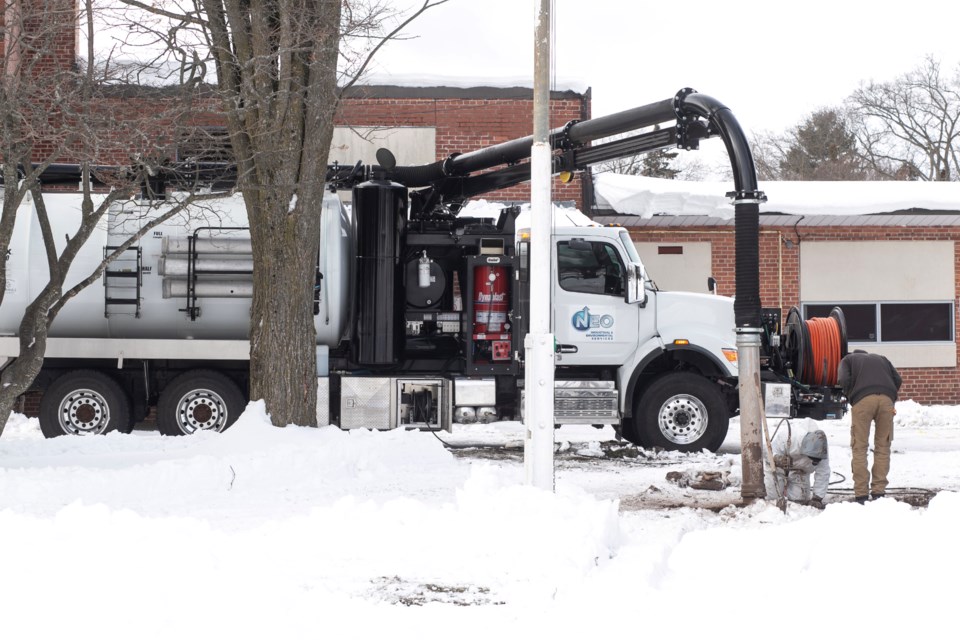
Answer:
[(420, 311)]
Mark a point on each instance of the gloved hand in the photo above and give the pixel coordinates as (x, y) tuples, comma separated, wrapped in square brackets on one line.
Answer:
[(816, 502), (782, 461)]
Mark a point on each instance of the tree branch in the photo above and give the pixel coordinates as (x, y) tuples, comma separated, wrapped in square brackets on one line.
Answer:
[(428, 4)]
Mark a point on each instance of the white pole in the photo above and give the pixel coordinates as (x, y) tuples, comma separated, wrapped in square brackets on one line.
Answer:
[(539, 343)]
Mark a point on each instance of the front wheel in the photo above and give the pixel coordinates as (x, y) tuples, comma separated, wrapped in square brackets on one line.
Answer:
[(83, 402), (198, 401), (682, 412)]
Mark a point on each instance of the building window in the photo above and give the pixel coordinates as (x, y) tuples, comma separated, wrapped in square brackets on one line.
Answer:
[(916, 322), (861, 319), (892, 321), (590, 267)]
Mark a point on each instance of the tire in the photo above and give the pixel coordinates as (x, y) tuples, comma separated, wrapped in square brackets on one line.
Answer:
[(199, 400), (84, 402), (681, 412)]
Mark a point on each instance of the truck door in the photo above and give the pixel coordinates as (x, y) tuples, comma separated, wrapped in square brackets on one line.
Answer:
[(592, 321)]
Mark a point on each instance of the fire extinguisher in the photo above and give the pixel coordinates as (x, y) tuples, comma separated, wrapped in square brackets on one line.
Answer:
[(490, 302)]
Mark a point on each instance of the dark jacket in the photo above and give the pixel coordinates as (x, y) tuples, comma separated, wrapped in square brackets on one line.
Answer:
[(862, 374)]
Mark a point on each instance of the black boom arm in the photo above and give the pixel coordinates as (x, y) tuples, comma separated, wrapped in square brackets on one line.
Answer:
[(691, 117)]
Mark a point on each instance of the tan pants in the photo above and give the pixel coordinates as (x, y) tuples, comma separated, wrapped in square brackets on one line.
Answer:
[(876, 408)]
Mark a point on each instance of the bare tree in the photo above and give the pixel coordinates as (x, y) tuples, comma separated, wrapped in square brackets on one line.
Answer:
[(53, 110), (822, 147), (278, 65), (909, 128), (769, 149)]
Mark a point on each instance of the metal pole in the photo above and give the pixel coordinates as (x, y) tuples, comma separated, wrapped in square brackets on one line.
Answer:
[(751, 415), (539, 343)]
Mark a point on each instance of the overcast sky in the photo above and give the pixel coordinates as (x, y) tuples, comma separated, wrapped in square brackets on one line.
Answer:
[(772, 62)]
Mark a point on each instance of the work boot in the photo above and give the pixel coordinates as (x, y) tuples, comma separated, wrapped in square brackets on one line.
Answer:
[(862, 499), (877, 496)]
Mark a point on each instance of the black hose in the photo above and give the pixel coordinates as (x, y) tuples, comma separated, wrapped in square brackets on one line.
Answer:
[(419, 176), (746, 306)]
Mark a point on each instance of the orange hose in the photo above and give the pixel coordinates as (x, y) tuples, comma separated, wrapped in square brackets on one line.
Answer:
[(821, 369)]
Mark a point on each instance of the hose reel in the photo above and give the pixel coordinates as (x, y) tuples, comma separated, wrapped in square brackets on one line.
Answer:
[(816, 346)]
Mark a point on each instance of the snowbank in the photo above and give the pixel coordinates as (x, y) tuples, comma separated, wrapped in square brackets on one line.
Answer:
[(302, 532)]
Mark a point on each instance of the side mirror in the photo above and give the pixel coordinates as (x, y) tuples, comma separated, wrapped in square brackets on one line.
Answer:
[(636, 286), (712, 285)]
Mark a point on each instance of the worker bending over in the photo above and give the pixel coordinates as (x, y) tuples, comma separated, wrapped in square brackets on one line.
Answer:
[(799, 451)]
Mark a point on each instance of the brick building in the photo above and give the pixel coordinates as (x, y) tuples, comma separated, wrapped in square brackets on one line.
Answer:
[(420, 125), (887, 253)]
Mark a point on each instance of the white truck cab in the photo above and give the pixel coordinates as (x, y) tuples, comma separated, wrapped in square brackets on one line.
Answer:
[(671, 356)]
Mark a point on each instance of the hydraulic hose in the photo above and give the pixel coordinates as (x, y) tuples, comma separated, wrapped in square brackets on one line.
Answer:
[(817, 346), (821, 369)]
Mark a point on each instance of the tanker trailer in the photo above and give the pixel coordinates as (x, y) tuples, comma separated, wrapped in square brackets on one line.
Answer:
[(168, 323)]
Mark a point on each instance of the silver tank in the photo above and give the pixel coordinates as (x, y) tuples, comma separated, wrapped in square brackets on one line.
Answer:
[(108, 308)]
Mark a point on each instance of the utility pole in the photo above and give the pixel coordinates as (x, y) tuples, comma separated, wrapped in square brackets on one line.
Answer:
[(539, 343)]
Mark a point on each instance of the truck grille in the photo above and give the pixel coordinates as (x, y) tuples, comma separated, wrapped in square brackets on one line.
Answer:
[(585, 402)]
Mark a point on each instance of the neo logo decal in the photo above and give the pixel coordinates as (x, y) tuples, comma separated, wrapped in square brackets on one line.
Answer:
[(583, 320)]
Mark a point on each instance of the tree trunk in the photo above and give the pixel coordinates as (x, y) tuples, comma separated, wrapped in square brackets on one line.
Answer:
[(282, 334), (283, 155), (20, 374)]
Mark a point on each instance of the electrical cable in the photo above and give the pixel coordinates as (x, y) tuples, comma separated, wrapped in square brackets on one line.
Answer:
[(914, 496)]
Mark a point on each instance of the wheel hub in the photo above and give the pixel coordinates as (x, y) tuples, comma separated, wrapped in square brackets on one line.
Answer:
[(682, 419), (84, 412), (202, 410)]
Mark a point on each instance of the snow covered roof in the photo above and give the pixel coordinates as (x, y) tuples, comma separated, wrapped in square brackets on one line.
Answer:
[(562, 216), (425, 80), (646, 197)]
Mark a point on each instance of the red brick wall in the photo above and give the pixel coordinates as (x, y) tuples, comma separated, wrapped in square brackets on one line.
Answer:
[(780, 280), (48, 36)]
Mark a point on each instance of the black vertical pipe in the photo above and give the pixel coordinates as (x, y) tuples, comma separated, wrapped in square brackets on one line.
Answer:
[(746, 305), (380, 208)]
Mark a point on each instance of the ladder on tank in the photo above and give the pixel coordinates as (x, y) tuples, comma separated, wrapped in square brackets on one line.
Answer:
[(122, 280)]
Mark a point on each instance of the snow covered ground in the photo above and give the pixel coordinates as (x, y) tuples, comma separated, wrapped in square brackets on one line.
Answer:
[(262, 532)]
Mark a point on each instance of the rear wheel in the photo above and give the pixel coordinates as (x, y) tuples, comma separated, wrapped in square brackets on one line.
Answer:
[(83, 402), (198, 401), (681, 412)]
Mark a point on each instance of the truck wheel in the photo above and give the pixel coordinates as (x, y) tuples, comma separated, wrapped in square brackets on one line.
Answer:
[(82, 403), (198, 401), (682, 412)]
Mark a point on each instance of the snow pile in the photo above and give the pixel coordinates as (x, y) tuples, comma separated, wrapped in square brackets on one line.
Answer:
[(302, 532), (913, 415), (642, 196), (562, 216), (259, 526)]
